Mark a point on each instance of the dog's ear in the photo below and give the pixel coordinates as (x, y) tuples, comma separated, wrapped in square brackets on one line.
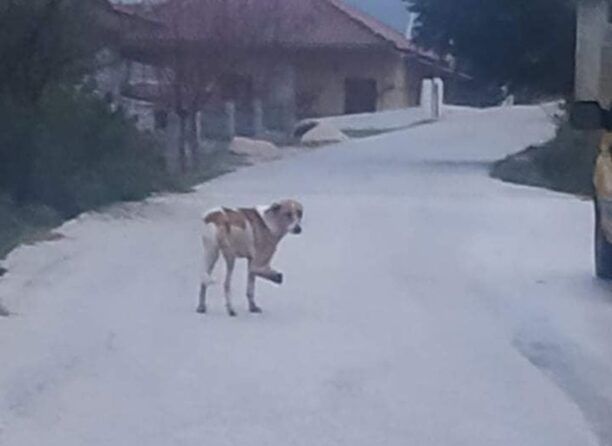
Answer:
[(275, 207)]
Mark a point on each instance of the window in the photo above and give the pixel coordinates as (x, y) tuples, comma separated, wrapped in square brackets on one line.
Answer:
[(360, 95)]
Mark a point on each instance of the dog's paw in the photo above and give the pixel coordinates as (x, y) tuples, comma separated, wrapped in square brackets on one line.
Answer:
[(255, 309), (277, 278), (231, 312), (201, 310)]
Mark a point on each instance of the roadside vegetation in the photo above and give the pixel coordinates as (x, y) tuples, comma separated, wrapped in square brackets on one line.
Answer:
[(510, 45), (564, 164), (67, 155), (63, 150)]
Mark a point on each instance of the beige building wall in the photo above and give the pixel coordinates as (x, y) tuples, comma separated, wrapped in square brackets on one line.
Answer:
[(320, 79), (310, 84), (315, 81)]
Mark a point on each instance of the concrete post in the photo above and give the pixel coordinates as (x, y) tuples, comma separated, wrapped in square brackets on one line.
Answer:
[(171, 140), (427, 88), (282, 98), (432, 97), (199, 123), (435, 102), (439, 83), (258, 117), (205, 146)]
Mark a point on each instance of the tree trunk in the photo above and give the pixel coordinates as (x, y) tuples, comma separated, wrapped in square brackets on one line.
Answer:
[(182, 143), (192, 139)]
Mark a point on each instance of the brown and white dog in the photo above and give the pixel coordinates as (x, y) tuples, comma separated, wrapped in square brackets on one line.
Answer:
[(247, 233)]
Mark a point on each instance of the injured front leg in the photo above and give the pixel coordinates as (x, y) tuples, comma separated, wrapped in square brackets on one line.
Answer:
[(268, 274)]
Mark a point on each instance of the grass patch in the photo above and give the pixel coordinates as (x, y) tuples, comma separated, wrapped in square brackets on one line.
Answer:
[(67, 155), (24, 224), (214, 165), (73, 154), (564, 164), (367, 133), (34, 223)]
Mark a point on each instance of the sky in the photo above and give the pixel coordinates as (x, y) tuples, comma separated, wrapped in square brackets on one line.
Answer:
[(391, 12)]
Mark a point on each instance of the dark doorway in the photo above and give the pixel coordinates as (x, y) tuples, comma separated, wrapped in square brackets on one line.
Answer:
[(360, 96), (237, 88)]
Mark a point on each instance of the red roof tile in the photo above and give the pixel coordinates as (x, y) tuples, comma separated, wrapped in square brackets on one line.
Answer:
[(306, 23), (374, 25)]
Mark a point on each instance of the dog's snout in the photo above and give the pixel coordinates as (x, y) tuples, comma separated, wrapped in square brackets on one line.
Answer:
[(297, 230)]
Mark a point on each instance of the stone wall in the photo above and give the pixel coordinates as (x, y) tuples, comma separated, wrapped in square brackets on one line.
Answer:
[(111, 79), (112, 74)]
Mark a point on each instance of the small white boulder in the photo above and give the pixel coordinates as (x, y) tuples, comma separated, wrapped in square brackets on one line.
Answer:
[(255, 149), (324, 133)]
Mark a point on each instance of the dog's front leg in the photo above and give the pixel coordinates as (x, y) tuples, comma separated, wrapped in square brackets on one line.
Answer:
[(268, 274)]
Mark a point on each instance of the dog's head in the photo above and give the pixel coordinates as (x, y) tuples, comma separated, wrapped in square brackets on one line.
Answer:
[(287, 216)]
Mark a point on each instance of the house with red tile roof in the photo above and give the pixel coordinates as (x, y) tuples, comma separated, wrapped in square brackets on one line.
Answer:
[(311, 58)]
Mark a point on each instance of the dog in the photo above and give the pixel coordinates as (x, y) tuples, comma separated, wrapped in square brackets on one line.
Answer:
[(247, 233)]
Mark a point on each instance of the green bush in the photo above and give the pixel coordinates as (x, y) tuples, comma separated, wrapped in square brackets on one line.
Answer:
[(74, 154)]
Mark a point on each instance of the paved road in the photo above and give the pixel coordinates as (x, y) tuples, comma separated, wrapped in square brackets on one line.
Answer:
[(424, 304)]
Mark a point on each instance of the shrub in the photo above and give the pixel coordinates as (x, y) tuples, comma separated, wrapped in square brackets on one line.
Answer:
[(73, 154), (17, 224)]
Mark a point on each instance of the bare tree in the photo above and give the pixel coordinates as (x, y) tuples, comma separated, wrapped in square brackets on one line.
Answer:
[(203, 40)]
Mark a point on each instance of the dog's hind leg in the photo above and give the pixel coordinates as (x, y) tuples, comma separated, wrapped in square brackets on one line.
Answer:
[(211, 255), (253, 308), (230, 261)]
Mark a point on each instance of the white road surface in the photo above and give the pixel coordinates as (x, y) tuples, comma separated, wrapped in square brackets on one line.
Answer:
[(425, 304)]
